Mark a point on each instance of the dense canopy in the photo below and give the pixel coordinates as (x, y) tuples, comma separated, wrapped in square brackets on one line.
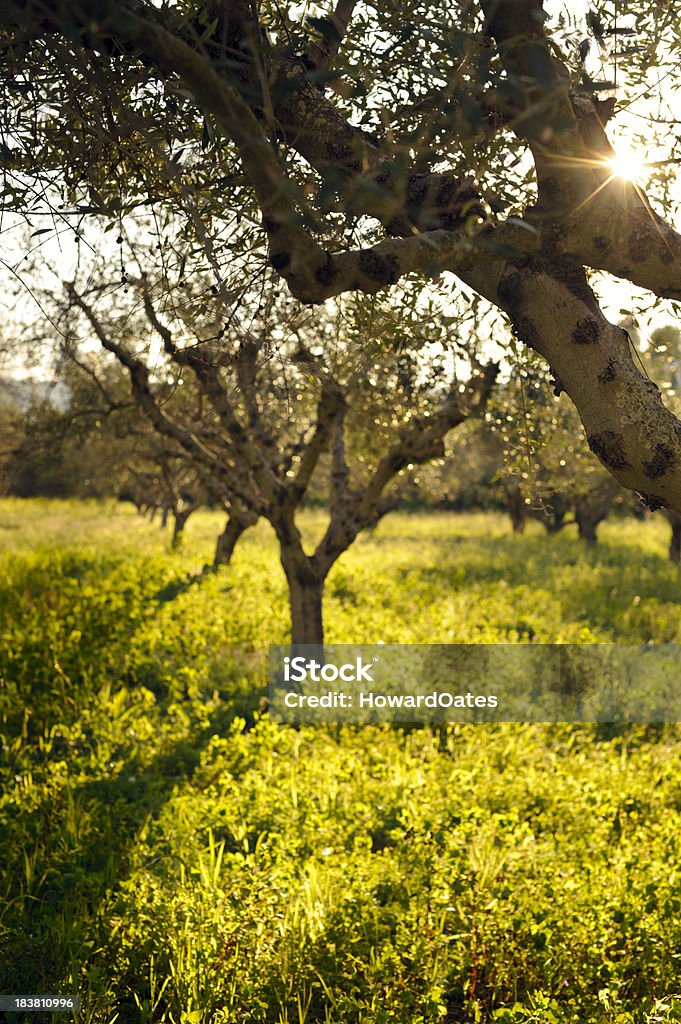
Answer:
[(352, 148)]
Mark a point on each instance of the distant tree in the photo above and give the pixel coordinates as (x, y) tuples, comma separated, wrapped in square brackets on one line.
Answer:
[(161, 477), (592, 507), (286, 400), (547, 471), (465, 479), (239, 518), (13, 427), (70, 442), (154, 470)]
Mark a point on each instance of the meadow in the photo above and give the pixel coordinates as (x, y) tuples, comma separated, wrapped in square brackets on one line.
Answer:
[(172, 855)]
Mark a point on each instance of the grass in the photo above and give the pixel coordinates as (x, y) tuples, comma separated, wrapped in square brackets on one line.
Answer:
[(173, 856)]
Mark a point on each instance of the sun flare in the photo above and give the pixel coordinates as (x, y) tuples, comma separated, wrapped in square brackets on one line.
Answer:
[(628, 165)]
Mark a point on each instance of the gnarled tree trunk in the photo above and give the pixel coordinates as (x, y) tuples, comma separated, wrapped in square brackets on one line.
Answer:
[(227, 541), (305, 577), (306, 593)]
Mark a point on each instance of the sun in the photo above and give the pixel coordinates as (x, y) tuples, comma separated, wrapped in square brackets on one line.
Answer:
[(628, 165)]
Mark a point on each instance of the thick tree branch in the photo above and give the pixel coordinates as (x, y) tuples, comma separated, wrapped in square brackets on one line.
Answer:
[(246, 364), (421, 440), (208, 378), (320, 55), (292, 248), (637, 439), (618, 231), (583, 209), (330, 406), (340, 471)]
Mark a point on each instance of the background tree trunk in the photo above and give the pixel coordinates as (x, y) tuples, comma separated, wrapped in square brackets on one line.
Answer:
[(556, 507), (588, 514), (586, 528), (592, 508), (516, 508), (675, 540), (179, 523), (227, 541)]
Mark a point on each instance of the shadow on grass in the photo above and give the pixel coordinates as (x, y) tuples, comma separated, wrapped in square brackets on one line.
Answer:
[(77, 848), (182, 585)]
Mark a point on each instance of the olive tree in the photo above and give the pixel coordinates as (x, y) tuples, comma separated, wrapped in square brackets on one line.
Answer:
[(284, 402), (369, 143)]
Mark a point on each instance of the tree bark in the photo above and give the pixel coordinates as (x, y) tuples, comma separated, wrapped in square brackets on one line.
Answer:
[(180, 521), (306, 594), (227, 541)]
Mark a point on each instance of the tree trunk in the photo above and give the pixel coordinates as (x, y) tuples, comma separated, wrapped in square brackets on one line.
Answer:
[(164, 516), (554, 522), (516, 508), (224, 549), (306, 591), (592, 508), (555, 507), (586, 528), (675, 541), (588, 514), (180, 521)]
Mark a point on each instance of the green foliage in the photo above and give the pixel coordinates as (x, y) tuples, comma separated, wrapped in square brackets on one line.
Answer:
[(173, 856)]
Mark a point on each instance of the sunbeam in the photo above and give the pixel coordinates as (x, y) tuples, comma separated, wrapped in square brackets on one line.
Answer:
[(628, 165)]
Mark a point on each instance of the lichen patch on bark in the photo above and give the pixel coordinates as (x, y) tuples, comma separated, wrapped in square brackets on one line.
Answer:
[(608, 374), (661, 462), (587, 332), (609, 447)]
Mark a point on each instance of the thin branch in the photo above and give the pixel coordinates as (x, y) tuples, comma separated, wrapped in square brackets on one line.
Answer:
[(208, 378), (141, 386)]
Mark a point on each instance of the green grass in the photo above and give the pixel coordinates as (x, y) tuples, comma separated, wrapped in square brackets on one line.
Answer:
[(174, 856)]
